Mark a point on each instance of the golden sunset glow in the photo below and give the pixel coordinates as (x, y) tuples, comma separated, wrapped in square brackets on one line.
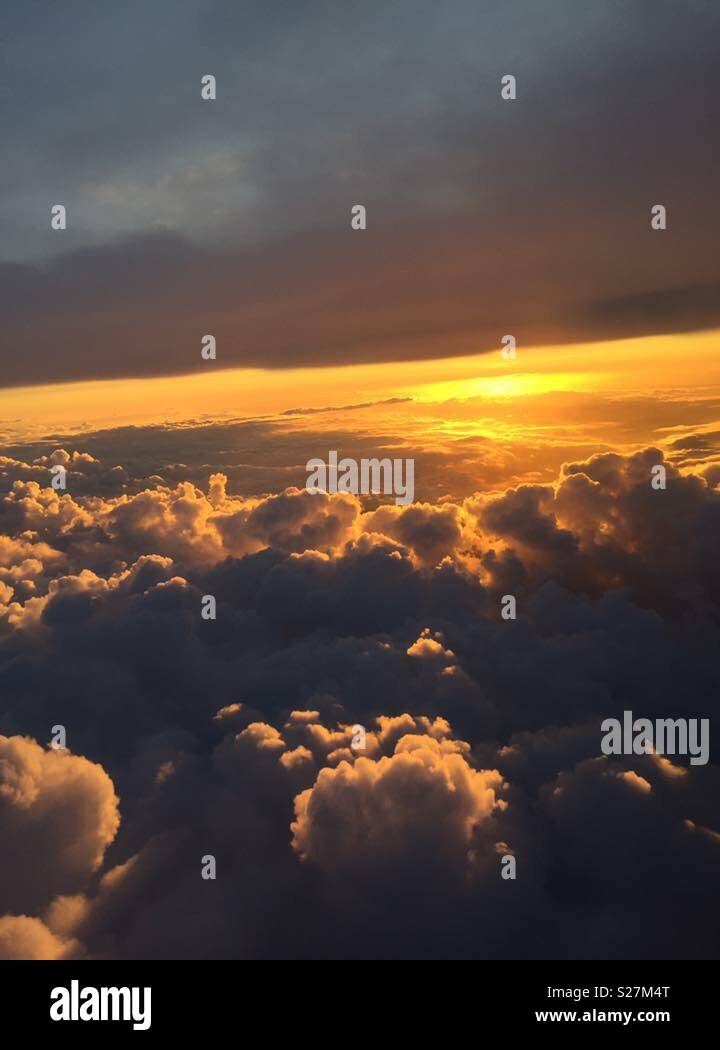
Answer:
[(654, 367)]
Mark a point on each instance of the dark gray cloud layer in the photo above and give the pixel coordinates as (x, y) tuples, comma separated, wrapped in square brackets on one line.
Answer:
[(483, 734), (232, 216)]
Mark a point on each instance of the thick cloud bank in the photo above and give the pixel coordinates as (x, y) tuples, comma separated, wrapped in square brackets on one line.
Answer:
[(360, 740)]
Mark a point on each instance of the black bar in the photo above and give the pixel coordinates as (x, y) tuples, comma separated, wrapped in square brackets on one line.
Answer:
[(493, 998)]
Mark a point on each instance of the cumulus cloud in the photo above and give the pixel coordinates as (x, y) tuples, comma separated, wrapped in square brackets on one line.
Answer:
[(430, 532), (421, 805), (58, 815), (604, 526), (24, 937), (239, 738)]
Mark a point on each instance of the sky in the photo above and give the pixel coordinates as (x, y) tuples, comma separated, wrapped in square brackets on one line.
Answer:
[(186, 477), (232, 216)]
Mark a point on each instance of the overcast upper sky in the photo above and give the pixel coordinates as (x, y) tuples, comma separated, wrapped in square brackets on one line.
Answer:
[(232, 216)]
